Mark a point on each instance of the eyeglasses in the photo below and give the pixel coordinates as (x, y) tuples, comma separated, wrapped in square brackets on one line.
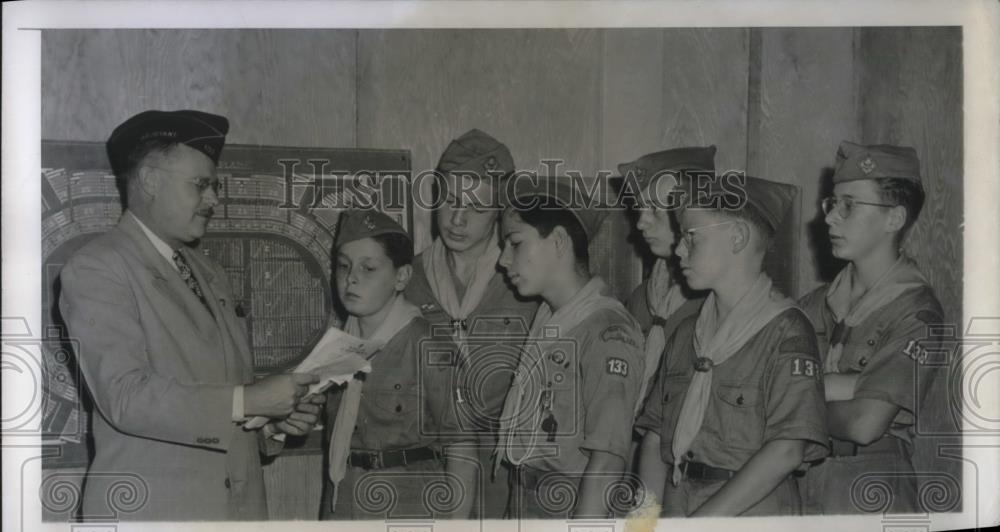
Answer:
[(845, 206), (688, 236), (200, 183)]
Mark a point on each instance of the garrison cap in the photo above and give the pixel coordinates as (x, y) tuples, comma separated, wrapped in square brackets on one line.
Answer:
[(768, 199), (645, 168), (524, 191), (856, 161), (204, 132), (356, 224), (477, 152)]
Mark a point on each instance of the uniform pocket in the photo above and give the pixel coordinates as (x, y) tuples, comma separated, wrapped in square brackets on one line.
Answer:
[(739, 422)]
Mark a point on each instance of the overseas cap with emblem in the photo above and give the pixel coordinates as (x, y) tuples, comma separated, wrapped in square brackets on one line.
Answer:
[(856, 161), (204, 132), (524, 191), (769, 199), (356, 224), (476, 152), (645, 168)]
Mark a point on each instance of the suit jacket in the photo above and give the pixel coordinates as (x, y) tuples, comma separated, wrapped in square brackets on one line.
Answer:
[(161, 369)]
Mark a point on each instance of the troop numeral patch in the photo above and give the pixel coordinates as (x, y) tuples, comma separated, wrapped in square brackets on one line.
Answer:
[(617, 366), (804, 367), (916, 351)]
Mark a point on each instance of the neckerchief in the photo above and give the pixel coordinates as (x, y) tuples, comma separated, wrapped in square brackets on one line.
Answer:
[(400, 315), (439, 278), (716, 342), (903, 275), (526, 387), (663, 297)]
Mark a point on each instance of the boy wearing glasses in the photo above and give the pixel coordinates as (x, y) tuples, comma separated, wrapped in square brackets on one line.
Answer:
[(738, 403), (871, 324)]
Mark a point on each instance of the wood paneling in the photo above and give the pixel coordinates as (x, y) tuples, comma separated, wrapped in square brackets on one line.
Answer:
[(775, 101), (705, 74), (538, 91), (294, 486), (912, 96), (792, 139), (92, 80), (912, 80)]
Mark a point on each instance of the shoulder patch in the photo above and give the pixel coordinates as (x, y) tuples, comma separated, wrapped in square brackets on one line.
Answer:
[(805, 367), (928, 317), (616, 366), (916, 351), (797, 344), (617, 333)]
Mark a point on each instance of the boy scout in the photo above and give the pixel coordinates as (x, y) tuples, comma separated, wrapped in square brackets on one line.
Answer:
[(871, 322), (396, 426), (659, 304), (580, 369), (456, 284), (738, 403)]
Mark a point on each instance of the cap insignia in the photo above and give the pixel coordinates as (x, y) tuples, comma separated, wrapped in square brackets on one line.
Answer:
[(867, 166)]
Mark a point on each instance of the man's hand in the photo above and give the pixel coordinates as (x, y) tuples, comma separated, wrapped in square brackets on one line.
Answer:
[(304, 417), (276, 395)]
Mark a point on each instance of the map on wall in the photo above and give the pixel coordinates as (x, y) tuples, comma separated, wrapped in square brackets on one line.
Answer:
[(272, 232)]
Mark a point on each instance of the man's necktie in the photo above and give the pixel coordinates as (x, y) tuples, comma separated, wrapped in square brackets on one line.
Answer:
[(188, 276)]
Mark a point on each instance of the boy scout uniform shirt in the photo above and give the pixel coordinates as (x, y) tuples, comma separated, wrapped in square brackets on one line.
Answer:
[(585, 398), (770, 389), (638, 307), (406, 402), (888, 351), (494, 333)]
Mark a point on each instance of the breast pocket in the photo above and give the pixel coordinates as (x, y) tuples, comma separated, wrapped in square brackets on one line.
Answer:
[(739, 422), (397, 406)]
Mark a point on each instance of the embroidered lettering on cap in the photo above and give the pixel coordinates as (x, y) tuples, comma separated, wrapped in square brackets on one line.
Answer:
[(616, 366)]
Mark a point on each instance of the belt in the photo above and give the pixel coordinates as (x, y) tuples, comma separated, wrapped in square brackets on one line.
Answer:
[(387, 459), (885, 444), (700, 471)]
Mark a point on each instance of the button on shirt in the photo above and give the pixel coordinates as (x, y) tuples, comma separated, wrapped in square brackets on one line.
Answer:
[(167, 253), (770, 389)]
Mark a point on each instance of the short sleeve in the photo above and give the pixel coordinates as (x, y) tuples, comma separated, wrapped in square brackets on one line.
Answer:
[(795, 407), (612, 372), (898, 368)]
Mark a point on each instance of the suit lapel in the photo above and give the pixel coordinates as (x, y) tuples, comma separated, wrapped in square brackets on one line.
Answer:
[(218, 297), (166, 279)]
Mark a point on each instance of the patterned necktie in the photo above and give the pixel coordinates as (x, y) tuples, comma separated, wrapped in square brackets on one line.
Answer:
[(188, 276)]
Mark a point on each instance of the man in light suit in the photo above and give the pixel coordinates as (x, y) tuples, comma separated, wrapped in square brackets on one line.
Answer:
[(164, 355)]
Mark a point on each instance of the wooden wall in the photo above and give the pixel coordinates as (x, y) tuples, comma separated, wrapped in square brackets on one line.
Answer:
[(775, 101)]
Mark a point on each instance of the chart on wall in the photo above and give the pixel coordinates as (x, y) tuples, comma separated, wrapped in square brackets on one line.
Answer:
[(272, 232)]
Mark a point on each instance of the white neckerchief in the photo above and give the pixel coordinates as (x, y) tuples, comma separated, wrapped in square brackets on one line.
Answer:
[(526, 387), (717, 342), (442, 284), (663, 297), (903, 275), (400, 315)]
